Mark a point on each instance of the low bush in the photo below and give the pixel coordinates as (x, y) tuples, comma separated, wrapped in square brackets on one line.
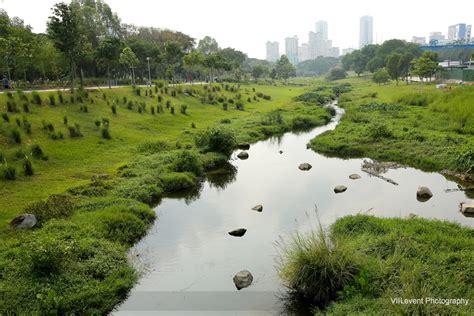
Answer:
[(36, 98), (56, 206), (178, 181), (27, 166), (15, 136), (143, 189), (188, 161), (216, 139), (8, 172), (74, 131)]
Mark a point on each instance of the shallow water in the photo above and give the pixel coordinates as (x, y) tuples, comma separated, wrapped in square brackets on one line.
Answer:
[(190, 259)]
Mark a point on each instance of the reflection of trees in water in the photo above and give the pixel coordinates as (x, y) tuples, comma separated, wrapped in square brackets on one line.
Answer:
[(188, 196), (294, 304), (222, 177)]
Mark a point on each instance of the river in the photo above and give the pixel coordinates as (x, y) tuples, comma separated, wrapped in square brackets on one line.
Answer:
[(188, 259)]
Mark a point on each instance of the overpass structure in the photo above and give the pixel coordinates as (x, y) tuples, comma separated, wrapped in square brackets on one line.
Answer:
[(441, 47)]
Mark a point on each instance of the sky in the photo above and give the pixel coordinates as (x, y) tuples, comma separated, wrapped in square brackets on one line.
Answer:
[(248, 24)]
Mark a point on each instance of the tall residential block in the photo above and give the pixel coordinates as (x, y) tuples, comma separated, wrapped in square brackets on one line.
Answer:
[(273, 51), (291, 49), (366, 34)]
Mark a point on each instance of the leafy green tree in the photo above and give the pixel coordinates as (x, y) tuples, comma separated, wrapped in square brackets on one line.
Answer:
[(381, 76), (258, 71), (424, 68), (394, 66), (375, 64), (208, 45), (284, 69), (316, 67), (64, 28), (336, 73), (108, 54), (193, 59), (130, 60)]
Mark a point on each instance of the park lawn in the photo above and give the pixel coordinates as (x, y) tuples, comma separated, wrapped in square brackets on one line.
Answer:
[(425, 127)]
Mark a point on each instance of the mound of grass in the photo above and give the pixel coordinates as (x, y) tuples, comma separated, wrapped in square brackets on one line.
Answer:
[(365, 262)]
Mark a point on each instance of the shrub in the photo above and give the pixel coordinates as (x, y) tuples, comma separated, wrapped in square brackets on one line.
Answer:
[(377, 131), (152, 109), (74, 131), (56, 206), (188, 161), (16, 136), (193, 125), (26, 107), (37, 152), (72, 99), (97, 123), (36, 98), (56, 135), (105, 133), (172, 110), (46, 256), (239, 106), (52, 100), (216, 140), (5, 117), (130, 105), (8, 173), (47, 126), (27, 166), (114, 109), (225, 121), (168, 104), (183, 108), (176, 181), (18, 122), (224, 106), (60, 97), (11, 106), (65, 120), (143, 189), (124, 100), (26, 126)]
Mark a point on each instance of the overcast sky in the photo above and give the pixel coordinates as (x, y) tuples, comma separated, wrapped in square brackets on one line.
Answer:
[(248, 24)]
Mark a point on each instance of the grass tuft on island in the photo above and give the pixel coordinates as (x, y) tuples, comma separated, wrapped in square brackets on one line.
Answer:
[(363, 264)]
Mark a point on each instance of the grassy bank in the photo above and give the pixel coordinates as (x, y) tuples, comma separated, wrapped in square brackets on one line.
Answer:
[(432, 130), (364, 262), (90, 165)]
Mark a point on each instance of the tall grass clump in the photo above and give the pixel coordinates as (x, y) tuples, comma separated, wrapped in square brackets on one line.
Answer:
[(52, 99), (315, 268), (36, 98)]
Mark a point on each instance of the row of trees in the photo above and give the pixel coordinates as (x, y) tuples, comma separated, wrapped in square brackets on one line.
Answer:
[(86, 39)]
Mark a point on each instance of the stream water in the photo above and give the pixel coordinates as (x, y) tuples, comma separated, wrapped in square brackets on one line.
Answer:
[(189, 259)]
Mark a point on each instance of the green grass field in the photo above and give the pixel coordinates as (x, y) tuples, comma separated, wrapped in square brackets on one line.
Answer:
[(431, 129)]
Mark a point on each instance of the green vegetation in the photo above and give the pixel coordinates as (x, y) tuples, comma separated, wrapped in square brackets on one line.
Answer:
[(432, 131), (364, 262), (87, 190)]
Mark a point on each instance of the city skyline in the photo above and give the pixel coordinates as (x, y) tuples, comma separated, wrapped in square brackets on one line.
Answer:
[(267, 20)]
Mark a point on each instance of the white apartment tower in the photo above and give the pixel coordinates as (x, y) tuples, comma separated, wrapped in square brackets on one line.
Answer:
[(366, 35)]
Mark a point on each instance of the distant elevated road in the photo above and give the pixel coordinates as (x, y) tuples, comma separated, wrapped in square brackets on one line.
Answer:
[(446, 47)]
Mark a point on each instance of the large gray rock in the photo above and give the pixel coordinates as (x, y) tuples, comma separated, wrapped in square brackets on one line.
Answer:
[(354, 176), (24, 221), (340, 189), (243, 279), (467, 209), (423, 194), (243, 155), (238, 232), (257, 208), (305, 166)]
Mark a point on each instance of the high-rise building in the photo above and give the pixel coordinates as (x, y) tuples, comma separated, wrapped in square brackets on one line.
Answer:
[(303, 52), (322, 27), (334, 52), (291, 49), (366, 35), (273, 51), (418, 40), (437, 36), (459, 32)]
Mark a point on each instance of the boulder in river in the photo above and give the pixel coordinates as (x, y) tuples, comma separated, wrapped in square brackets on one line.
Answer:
[(467, 209), (305, 166), (238, 232), (244, 146), (423, 194), (243, 155), (243, 279), (24, 221), (340, 189), (354, 176), (258, 208)]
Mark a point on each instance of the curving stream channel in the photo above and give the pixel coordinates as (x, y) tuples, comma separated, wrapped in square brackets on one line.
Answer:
[(189, 259)]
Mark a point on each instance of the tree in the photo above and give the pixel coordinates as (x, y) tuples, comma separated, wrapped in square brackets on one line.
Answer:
[(381, 76), (284, 69), (336, 73), (130, 60), (394, 66), (316, 67), (359, 62), (208, 45), (193, 60), (424, 68), (108, 54), (215, 61), (258, 71), (64, 29), (375, 64)]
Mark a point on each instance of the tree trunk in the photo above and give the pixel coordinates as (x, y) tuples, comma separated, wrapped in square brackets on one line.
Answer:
[(71, 75), (108, 76), (82, 78)]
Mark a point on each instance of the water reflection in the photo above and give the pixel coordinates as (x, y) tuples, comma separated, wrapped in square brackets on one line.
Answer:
[(189, 248)]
